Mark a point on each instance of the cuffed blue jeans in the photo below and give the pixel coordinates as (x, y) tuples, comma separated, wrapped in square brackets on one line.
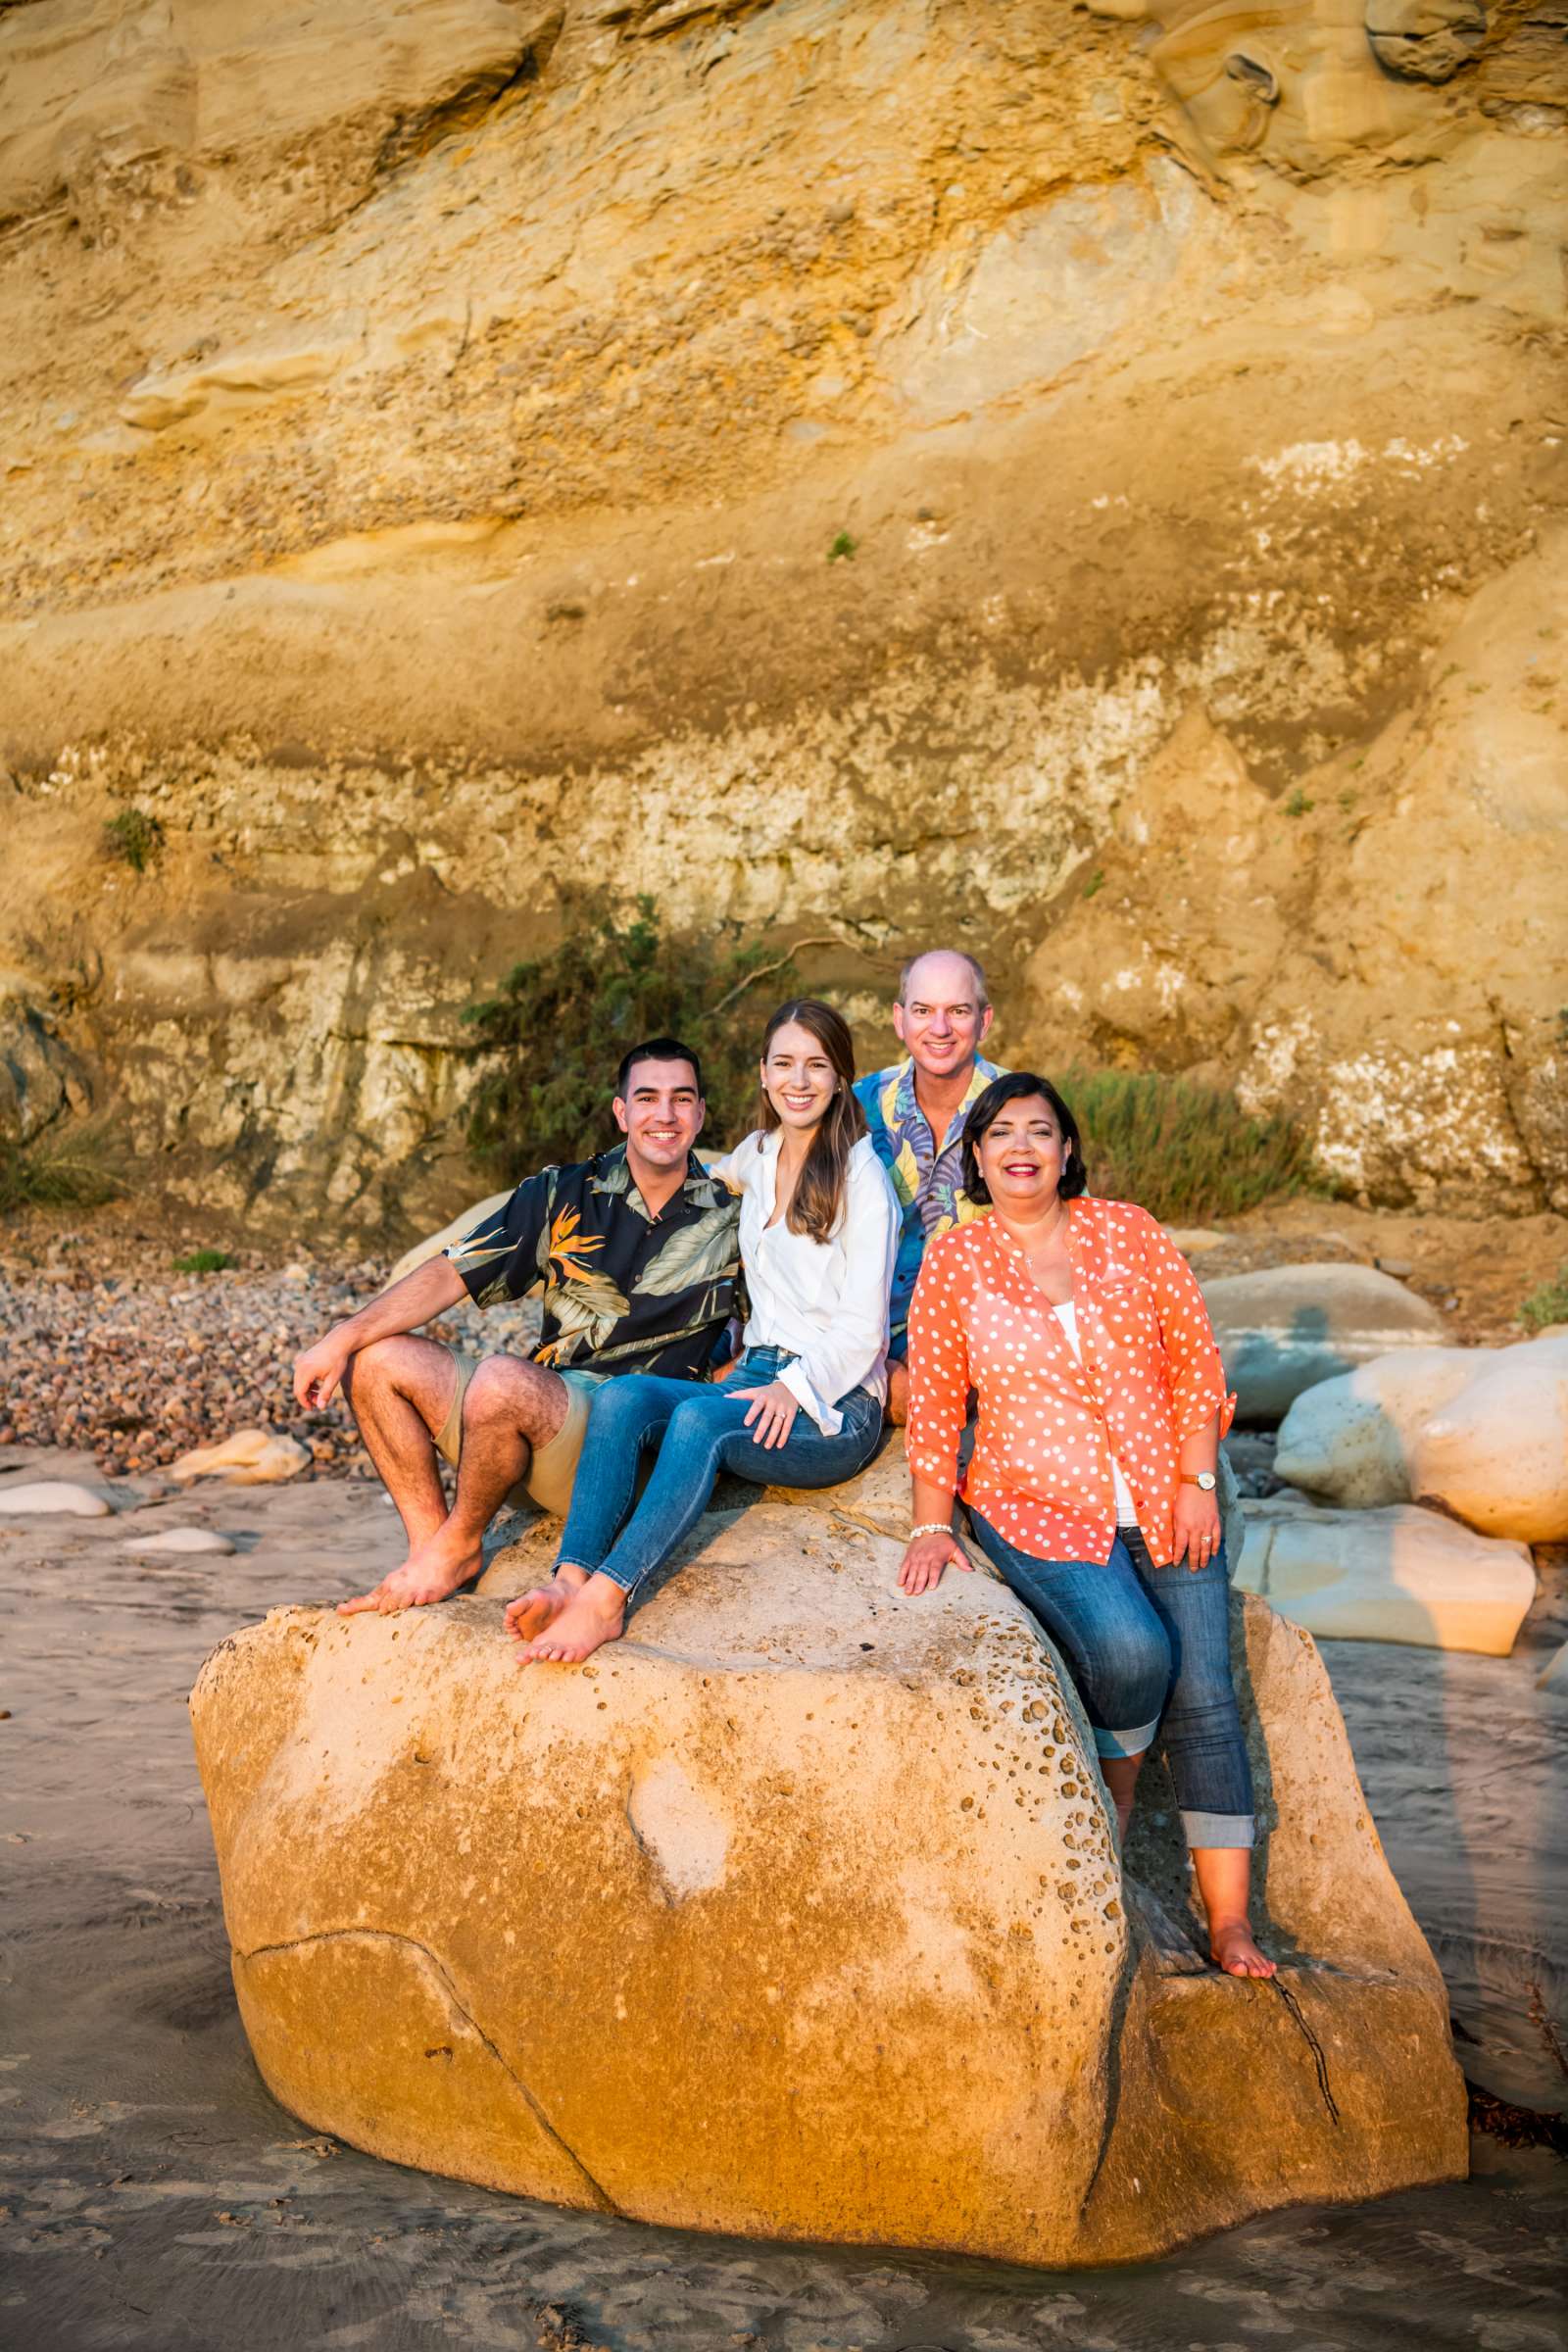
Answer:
[(1149, 1650), (700, 1430)]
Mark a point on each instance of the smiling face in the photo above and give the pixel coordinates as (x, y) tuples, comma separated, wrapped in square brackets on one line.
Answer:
[(942, 1020), (1021, 1155), (660, 1114), (797, 1076)]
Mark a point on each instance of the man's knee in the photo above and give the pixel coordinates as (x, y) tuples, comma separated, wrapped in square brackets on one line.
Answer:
[(508, 1391), (373, 1367)]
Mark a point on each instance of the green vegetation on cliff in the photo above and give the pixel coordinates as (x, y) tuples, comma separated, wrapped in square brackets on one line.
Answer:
[(558, 1026)]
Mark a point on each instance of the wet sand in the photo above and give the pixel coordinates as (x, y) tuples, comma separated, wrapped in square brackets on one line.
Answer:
[(152, 2194)]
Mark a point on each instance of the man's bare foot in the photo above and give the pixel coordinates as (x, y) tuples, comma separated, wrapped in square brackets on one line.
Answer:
[(594, 1615), (432, 1570), (1234, 1951), (532, 1612)]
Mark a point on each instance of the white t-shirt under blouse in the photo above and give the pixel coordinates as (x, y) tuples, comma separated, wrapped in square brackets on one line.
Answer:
[(825, 1301), (1126, 1508)]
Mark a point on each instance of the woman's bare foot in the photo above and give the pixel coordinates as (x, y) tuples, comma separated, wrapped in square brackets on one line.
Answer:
[(594, 1614), (532, 1612), (432, 1570), (1234, 1951)]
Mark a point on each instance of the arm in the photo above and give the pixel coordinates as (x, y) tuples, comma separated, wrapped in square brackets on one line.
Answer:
[(840, 1359), (939, 1395), (1204, 1409), (418, 1298)]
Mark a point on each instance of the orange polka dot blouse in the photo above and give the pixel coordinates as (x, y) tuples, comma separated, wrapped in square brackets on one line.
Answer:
[(1047, 1425)]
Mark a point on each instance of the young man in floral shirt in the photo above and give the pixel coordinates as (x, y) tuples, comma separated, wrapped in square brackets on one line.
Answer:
[(916, 1111), (635, 1255)]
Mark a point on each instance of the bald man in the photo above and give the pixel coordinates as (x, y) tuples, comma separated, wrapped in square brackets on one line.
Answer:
[(915, 1111)]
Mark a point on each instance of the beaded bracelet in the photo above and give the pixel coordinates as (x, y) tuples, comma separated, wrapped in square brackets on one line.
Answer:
[(931, 1527)]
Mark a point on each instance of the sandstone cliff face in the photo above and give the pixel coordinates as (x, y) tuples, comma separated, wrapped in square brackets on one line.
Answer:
[(426, 428)]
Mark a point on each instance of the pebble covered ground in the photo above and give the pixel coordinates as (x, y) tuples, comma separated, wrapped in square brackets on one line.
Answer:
[(120, 1355)]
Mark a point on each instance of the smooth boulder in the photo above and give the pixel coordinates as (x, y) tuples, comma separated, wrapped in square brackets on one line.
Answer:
[(1392, 1574), (51, 1497), (1287, 1327), (799, 1914), (1482, 1431)]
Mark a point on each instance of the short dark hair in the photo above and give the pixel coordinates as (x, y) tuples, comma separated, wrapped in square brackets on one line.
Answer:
[(984, 1113), (657, 1049)]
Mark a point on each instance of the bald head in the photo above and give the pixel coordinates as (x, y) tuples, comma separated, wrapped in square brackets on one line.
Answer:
[(942, 1014), (943, 971)]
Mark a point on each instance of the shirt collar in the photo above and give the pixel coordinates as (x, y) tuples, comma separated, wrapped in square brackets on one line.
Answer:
[(613, 1175), (905, 1106)]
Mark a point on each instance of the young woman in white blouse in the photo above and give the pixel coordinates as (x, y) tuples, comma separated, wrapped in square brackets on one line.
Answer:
[(803, 1405)]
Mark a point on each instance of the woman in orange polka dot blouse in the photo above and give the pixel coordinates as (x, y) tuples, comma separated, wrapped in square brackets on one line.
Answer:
[(1101, 1406)]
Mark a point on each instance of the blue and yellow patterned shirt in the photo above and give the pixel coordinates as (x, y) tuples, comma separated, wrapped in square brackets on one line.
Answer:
[(925, 1180)]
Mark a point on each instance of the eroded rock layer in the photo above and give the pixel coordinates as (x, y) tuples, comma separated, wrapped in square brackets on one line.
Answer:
[(800, 1915), (1088, 482)]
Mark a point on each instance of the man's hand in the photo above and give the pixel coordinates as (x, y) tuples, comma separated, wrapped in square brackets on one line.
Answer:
[(774, 1409), (318, 1372), (925, 1559), (1195, 1519)]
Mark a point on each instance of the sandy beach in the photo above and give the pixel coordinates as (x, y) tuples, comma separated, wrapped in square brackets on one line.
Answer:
[(156, 2196)]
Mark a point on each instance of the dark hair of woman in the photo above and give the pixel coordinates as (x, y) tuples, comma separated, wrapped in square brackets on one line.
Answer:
[(1016, 1087), (819, 1198)]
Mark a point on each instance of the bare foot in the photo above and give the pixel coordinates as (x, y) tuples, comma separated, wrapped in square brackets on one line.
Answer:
[(594, 1615), (432, 1570), (1232, 1949), (532, 1612)]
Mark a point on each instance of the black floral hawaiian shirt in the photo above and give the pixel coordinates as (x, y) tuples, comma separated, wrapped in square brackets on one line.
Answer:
[(624, 1291)]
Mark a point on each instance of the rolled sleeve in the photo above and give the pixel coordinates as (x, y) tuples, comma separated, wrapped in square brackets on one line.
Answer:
[(848, 1353), (1196, 1375), (939, 1371)]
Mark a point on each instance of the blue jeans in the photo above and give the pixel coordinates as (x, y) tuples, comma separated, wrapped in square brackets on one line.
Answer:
[(700, 1430), (1149, 1650)]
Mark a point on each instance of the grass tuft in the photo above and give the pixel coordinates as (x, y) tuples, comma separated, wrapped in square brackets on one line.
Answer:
[(64, 1167), (203, 1262), (842, 548), (1186, 1153), (133, 837), (1546, 1306)]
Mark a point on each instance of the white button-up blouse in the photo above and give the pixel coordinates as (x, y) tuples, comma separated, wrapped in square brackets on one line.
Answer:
[(826, 1302)]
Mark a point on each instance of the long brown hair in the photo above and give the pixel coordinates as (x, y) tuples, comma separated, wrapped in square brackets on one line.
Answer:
[(818, 1198)]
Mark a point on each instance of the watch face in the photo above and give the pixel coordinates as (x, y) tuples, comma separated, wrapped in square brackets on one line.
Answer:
[(1206, 1479)]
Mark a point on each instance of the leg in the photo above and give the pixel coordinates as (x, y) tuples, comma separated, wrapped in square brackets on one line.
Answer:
[(510, 1407), (1114, 1644), (671, 1504), (1207, 1752), (624, 1416), (400, 1392)]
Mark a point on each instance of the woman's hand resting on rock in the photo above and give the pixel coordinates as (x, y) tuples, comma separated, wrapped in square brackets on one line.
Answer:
[(925, 1559)]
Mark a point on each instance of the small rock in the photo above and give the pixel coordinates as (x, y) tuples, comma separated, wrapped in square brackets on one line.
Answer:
[(53, 1497), (251, 1457), (1400, 1268), (1193, 1240), (179, 1539)]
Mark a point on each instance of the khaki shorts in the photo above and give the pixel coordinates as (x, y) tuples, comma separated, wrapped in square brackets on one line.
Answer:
[(553, 1466)]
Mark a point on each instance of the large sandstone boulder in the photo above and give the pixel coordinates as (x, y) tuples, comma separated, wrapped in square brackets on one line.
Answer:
[(423, 1252), (1482, 1431), (799, 1914), (1287, 1327), (1392, 1574)]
